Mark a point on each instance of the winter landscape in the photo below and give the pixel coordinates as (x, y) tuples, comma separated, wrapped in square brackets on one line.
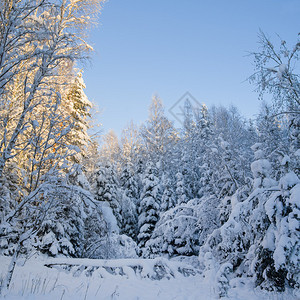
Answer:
[(205, 209)]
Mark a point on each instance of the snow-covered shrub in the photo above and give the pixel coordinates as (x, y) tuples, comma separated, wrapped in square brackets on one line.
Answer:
[(122, 246), (207, 214), (176, 233), (113, 246), (223, 278), (62, 229)]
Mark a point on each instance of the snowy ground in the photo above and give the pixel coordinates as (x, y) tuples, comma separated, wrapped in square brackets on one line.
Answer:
[(63, 278)]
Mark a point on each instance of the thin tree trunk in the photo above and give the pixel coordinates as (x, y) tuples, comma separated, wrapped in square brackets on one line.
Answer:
[(7, 280)]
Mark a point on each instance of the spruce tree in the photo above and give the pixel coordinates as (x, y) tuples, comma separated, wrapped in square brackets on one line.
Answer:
[(149, 206), (129, 190), (106, 189), (168, 199)]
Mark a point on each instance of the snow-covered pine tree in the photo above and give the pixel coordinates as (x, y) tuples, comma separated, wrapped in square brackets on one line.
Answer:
[(229, 152), (228, 174), (129, 189), (181, 192), (277, 255), (128, 182), (77, 106), (168, 198), (188, 154), (106, 189), (138, 170), (196, 140), (148, 206)]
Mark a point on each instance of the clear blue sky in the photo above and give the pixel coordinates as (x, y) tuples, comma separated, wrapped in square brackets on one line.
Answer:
[(168, 47)]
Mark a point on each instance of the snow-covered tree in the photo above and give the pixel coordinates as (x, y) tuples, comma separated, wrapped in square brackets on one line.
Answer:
[(35, 45), (78, 107), (131, 144), (237, 240), (149, 205), (276, 73), (181, 190), (129, 189), (62, 229), (158, 133), (106, 189), (176, 233), (168, 198), (195, 142), (277, 254), (129, 183), (96, 232), (91, 159), (110, 150)]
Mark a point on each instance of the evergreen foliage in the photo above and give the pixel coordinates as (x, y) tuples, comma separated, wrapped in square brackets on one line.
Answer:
[(148, 206)]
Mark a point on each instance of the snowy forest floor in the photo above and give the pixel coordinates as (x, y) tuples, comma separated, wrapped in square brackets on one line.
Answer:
[(41, 278)]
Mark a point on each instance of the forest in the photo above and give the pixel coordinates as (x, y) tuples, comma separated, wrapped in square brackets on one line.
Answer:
[(221, 192)]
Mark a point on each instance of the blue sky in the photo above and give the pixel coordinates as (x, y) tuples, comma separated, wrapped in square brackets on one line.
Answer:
[(169, 47)]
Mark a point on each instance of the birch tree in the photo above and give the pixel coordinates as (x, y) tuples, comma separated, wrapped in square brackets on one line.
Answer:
[(37, 37), (277, 73)]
